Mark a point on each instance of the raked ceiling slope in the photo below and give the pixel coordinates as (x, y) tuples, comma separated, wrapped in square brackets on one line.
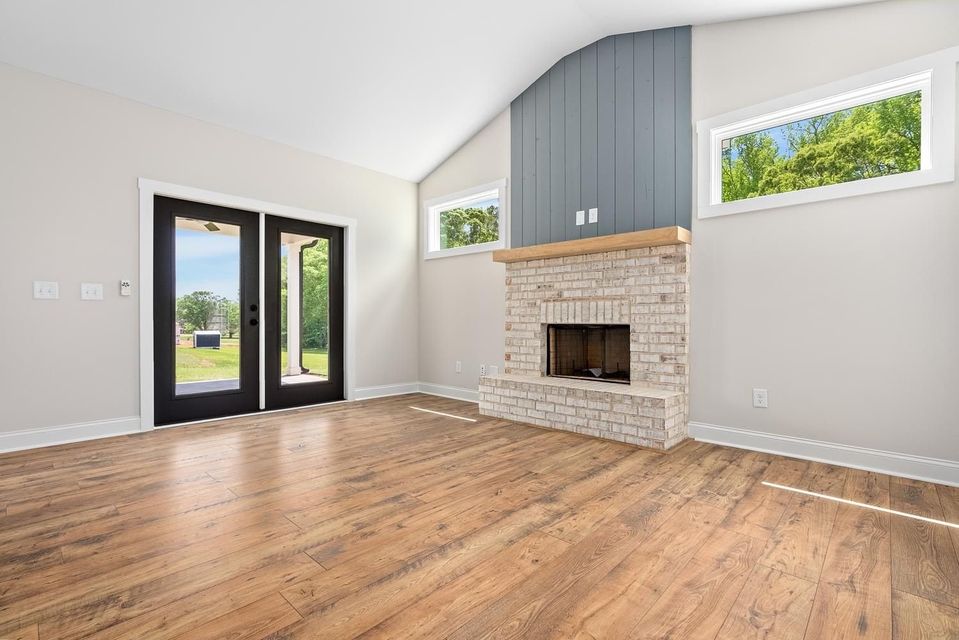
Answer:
[(391, 85)]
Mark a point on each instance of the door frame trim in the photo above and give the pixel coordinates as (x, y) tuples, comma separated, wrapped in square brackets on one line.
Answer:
[(148, 189)]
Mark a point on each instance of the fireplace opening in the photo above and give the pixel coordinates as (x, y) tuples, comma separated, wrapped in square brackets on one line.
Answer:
[(588, 351)]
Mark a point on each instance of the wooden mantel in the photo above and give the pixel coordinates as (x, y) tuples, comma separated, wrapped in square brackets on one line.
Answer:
[(600, 244)]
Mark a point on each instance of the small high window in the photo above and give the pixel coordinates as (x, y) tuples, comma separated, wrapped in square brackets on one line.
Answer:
[(466, 222), (867, 134)]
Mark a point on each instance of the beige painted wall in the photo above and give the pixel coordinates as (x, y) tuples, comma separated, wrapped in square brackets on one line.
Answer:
[(463, 298), (846, 311), (69, 165)]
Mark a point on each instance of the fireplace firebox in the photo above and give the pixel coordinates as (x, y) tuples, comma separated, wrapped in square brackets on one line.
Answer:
[(588, 351)]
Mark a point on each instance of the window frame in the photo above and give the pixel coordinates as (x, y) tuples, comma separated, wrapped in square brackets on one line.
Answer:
[(434, 206), (934, 75)]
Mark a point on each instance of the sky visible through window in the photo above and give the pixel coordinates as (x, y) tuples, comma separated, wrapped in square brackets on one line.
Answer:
[(207, 261)]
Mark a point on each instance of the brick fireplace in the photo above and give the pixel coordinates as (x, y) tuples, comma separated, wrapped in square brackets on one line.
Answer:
[(637, 280)]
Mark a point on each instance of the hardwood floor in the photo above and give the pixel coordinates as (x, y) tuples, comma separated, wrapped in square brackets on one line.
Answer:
[(375, 520)]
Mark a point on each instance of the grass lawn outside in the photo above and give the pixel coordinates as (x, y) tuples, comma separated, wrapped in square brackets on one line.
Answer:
[(196, 365)]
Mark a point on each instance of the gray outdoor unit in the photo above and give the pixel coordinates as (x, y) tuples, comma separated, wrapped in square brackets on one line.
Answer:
[(206, 339)]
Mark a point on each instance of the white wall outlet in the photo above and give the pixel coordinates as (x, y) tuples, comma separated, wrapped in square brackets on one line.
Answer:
[(593, 215), (580, 218), (482, 369), (459, 367), (91, 291), (493, 370), (45, 290), (126, 287), (761, 398)]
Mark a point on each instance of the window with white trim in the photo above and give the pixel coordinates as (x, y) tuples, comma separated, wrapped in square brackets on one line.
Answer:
[(890, 129), (469, 221)]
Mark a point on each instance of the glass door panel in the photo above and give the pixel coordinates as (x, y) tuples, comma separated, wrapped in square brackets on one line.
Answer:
[(304, 319), (304, 309), (207, 329), (206, 311)]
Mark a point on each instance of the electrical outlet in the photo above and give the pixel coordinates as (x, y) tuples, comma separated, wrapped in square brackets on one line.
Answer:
[(126, 287), (482, 369), (459, 367), (761, 398), (580, 218)]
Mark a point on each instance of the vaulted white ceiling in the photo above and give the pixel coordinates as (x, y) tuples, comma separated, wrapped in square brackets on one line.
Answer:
[(392, 85)]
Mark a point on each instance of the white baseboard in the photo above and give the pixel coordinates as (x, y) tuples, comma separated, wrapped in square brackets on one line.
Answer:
[(457, 393), (365, 393), (65, 434), (896, 464)]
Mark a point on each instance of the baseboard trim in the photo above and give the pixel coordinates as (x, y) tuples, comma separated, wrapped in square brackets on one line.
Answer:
[(456, 393), (888, 462), (382, 391), (66, 434)]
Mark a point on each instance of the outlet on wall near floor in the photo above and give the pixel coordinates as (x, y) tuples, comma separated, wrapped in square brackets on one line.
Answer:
[(459, 367), (761, 398), (482, 369)]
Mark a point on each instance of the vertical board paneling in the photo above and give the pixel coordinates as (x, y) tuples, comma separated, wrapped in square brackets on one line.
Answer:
[(664, 130), (575, 155), (541, 87), (623, 88), (643, 156), (516, 173), (606, 135), (588, 138), (609, 126), (684, 127), (557, 152), (529, 167)]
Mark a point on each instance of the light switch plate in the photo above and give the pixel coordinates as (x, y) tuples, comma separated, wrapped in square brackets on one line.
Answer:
[(580, 217), (593, 215), (91, 291), (45, 290)]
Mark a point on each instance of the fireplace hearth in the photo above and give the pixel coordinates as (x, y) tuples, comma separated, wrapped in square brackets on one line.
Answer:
[(588, 352)]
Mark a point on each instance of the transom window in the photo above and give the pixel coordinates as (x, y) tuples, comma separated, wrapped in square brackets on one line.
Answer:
[(872, 133), (466, 222)]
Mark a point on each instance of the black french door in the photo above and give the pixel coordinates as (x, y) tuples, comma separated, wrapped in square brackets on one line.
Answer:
[(207, 315), (304, 319), (206, 311)]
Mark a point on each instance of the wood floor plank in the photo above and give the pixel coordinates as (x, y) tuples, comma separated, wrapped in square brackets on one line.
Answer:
[(924, 561), (697, 601), (854, 595), (255, 620), (181, 616), (916, 618), (431, 528), (445, 610), (31, 632), (772, 606), (610, 608), (799, 541), (761, 507)]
